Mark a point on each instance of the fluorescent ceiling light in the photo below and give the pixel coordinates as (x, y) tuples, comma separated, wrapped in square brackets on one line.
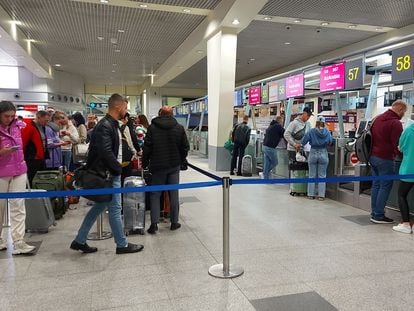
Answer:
[(391, 47), (351, 26), (117, 51), (324, 24), (143, 6), (30, 40), (187, 11), (235, 22), (376, 57), (121, 30), (58, 65), (312, 74), (287, 43), (267, 18), (297, 21), (100, 38), (104, 1)]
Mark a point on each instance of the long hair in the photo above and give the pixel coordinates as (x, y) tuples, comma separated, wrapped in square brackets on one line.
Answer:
[(143, 120), (6, 106)]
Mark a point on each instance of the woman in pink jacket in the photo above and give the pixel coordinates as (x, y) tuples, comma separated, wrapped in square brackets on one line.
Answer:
[(12, 177)]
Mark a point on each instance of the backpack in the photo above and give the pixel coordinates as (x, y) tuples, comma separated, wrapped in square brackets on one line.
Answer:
[(363, 144)]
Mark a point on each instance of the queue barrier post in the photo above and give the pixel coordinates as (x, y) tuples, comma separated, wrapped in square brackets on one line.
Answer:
[(100, 234), (226, 270)]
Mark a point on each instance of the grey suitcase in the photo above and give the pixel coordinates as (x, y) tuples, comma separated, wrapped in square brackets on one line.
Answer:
[(133, 205), (247, 166), (39, 214)]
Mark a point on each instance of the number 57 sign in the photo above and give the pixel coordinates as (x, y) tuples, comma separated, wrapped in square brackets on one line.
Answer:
[(402, 65)]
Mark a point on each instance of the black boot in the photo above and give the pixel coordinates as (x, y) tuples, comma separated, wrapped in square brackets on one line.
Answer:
[(153, 229), (175, 226)]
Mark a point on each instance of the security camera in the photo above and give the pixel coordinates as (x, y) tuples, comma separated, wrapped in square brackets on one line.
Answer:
[(17, 95), (287, 27), (318, 30)]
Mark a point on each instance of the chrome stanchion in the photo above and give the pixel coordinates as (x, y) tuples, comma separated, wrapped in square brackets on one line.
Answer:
[(6, 217), (100, 234), (226, 270)]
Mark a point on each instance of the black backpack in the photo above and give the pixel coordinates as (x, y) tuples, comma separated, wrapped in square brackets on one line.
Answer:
[(363, 144)]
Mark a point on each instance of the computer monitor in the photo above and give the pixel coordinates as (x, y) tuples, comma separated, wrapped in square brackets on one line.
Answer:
[(361, 127)]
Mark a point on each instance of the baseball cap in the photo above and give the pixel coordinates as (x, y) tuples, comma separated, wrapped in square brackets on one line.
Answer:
[(308, 111), (320, 119)]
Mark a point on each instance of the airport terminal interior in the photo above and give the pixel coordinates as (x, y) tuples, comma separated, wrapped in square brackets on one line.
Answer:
[(247, 241)]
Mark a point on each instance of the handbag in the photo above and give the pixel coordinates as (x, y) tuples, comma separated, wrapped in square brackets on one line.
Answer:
[(89, 178), (80, 152)]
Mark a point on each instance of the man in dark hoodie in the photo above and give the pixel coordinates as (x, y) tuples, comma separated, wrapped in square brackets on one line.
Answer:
[(386, 131), (274, 133), (165, 149)]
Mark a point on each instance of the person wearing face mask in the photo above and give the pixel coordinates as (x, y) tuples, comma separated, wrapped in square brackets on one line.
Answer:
[(12, 177), (105, 155), (386, 131), (319, 139)]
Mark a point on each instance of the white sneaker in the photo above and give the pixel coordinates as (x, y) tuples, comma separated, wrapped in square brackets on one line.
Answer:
[(261, 176), (3, 245), (402, 228), (20, 247)]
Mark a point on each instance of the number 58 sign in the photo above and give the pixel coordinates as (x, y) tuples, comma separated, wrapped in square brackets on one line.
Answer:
[(402, 65)]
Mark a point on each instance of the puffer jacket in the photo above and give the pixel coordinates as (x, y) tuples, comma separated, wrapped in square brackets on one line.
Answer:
[(166, 145), (12, 164), (104, 147)]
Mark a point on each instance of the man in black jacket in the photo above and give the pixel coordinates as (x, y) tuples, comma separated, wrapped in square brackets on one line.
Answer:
[(241, 138), (165, 149), (274, 133), (105, 155)]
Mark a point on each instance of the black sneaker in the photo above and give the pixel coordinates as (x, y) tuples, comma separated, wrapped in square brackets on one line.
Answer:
[(131, 248), (153, 229), (239, 174), (382, 220), (175, 226), (85, 248), (232, 173)]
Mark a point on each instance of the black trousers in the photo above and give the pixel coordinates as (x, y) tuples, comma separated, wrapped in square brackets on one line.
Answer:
[(33, 166), (403, 191), (238, 152)]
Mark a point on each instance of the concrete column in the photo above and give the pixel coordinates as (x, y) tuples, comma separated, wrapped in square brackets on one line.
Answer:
[(153, 102), (221, 70)]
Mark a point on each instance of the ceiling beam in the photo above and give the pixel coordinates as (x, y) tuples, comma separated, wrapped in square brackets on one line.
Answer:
[(193, 49)]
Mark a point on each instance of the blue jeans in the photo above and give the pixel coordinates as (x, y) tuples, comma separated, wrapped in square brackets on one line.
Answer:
[(114, 208), (67, 158), (318, 163), (269, 160), (380, 188)]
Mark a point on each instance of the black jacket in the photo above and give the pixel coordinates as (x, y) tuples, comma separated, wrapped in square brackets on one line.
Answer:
[(104, 146), (241, 134), (166, 145), (273, 135)]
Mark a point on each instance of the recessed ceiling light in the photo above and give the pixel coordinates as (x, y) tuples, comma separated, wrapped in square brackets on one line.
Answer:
[(100, 38), (235, 22), (121, 30), (252, 59), (186, 10), (267, 18), (324, 24), (18, 23), (113, 70), (287, 43), (58, 65), (297, 21), (117, 51), (200, 52), (114, 64), (351, 26), (104, 1), (143, 6)]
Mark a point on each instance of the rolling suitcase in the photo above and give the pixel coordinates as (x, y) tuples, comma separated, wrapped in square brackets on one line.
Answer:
[(247, 166), (298, 170), (52, 181), (133, 206), (39, 214)]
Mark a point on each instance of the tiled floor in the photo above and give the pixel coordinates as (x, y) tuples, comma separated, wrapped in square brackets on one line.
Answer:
[(287, 245)]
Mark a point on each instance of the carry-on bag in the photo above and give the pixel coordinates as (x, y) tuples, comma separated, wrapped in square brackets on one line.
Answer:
[(39, 214), (247, 166), (133, 205), (52, 181), (298, 170)]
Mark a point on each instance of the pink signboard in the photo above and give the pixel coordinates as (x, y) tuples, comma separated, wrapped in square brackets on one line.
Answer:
[(332, 77), (254, 95), (294, 86)]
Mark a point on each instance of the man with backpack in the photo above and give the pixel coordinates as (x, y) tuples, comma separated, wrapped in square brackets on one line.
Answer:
[(241, 138), (386, 130)]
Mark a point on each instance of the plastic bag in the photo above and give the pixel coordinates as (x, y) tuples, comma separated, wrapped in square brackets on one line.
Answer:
[(300, 157)]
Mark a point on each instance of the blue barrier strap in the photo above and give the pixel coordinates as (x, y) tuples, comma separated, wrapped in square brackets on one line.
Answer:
[(319, 180), (48, 194), (208, 174)]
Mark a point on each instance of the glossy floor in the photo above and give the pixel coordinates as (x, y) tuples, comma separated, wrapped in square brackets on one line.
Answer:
[(287, 245)]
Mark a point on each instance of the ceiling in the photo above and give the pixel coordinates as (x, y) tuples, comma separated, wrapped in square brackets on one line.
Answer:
[(66, 32)]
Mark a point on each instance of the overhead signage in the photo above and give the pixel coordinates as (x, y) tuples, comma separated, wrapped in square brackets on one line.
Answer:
[(402, 65), (354, 74), (254, 95), (265, 93), (294, 86), (332, 77)]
